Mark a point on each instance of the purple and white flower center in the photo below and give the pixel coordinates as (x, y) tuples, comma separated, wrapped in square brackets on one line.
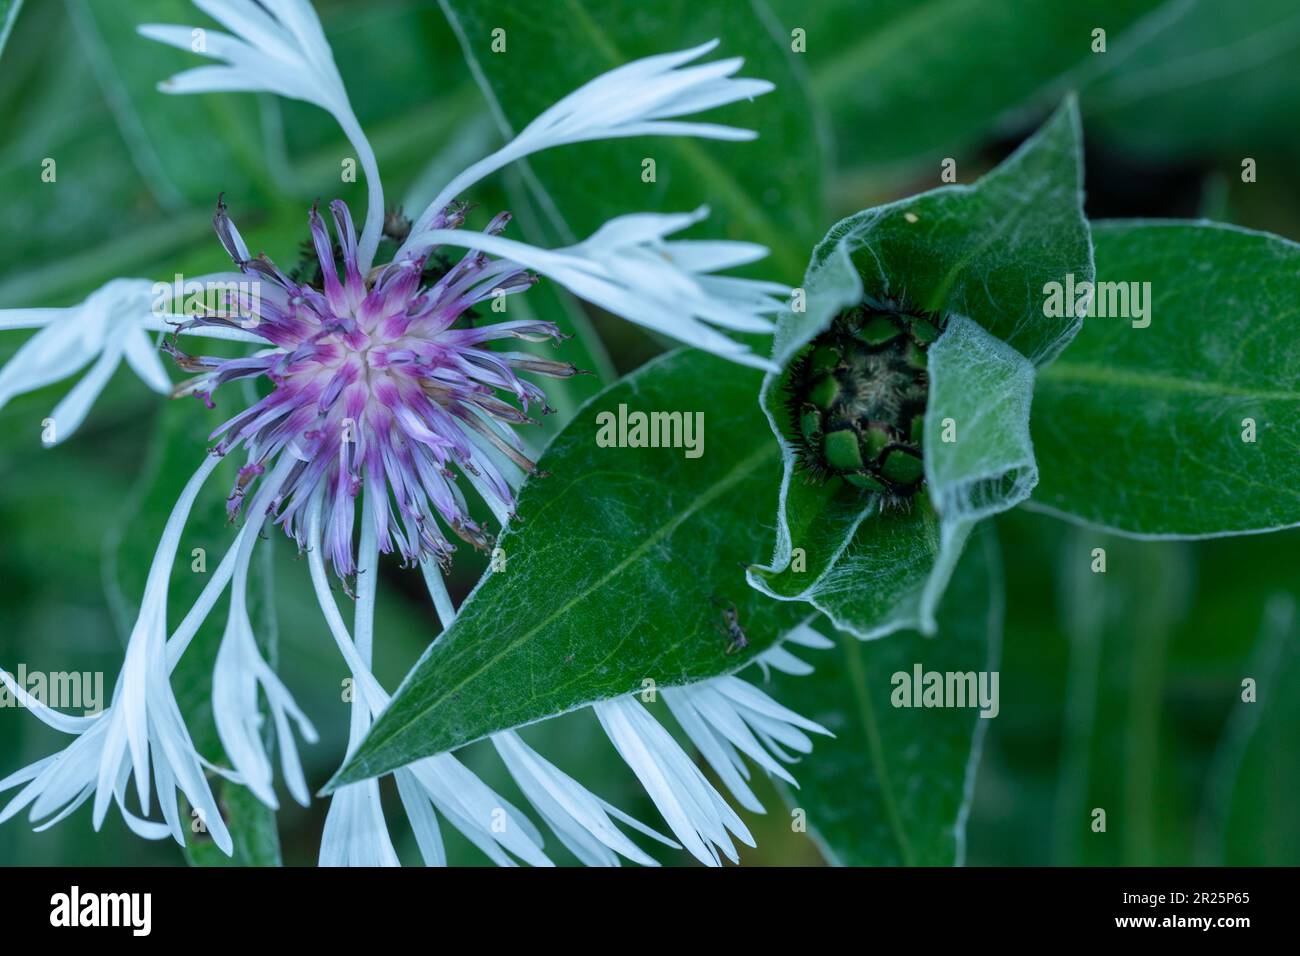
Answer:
[(385, 381)]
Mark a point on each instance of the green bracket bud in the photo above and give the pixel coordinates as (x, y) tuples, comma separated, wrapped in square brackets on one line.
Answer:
[(856, 398)]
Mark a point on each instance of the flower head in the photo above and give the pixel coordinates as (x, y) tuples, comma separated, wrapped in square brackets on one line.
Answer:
[(385, 389), (380, 376)]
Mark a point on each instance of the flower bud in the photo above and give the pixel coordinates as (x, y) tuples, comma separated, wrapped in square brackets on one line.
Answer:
[(856, 399)]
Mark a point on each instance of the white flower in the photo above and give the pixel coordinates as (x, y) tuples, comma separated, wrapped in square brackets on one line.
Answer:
[(278, 47), (142, 727), (355, 829), (637, 99), (105, 329), (486, 819), (579, 818), (628, 268), (692, 808), (779, 658), (355, 832), (624, 267), (113, 324), (241, 673), (724, 717)]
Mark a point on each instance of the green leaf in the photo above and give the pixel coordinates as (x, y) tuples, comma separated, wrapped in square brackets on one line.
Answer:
[(1141, 429), (101, 218), (986, 250), (913, 81), (1234, 62), (767, 191), (176, 143), (980, 255), (613, 572), (894, 784)]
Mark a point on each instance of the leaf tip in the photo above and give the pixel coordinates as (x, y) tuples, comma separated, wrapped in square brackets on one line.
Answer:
[(345, 775)]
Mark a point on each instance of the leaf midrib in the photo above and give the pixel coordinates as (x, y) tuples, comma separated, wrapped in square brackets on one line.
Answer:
[(731, 478), (867, 716)]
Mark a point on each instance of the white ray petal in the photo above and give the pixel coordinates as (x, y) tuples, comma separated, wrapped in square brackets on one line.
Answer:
[(96, 333), (140, 735), (277, 47), (636, 99), (626, 268), (575, 814)]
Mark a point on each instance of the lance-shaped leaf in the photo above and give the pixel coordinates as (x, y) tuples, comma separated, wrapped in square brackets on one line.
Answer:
[(1187, 426), (618, 570), (981, 256), (907, 82), (893, 786)]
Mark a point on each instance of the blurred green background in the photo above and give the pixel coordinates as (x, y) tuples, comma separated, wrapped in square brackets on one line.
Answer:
[(1117, 689)]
